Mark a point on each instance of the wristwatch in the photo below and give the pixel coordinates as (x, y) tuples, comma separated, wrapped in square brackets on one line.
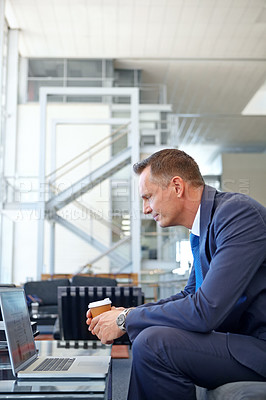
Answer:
[(121, 319)]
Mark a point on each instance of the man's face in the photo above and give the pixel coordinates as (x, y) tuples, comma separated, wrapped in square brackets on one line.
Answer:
[(162, 203)]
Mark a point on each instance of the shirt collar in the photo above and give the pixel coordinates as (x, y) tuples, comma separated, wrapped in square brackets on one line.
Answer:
[(196, 224)]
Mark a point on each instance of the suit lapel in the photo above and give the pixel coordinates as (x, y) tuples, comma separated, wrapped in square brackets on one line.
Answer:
[(207, 202)]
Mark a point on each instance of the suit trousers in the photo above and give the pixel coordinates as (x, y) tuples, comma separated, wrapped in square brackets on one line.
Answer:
[(168, 363)]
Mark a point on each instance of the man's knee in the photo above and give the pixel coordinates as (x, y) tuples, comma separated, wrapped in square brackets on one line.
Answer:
[(142, 345), (154, 340), (169, 346)]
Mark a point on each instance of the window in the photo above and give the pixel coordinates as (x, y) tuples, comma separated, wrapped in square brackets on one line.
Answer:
[(85, 69), (65, 73), (45, 68)]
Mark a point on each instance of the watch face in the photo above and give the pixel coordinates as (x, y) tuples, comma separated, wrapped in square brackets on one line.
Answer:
[(120, 319)]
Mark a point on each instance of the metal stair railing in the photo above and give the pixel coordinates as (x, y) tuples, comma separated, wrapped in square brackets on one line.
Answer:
[(104, 250), (88, 210), (71, 194), (52, 203), (92, 240), (94, 214), (115, 139), (107, 253), (88, 182)]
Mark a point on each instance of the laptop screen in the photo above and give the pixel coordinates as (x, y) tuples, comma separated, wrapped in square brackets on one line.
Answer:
[(18, 328)]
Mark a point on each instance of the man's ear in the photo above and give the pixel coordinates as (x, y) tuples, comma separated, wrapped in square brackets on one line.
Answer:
[(178, 184)]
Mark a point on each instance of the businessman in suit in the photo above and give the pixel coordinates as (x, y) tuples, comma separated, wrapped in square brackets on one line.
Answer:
[(213, 332)]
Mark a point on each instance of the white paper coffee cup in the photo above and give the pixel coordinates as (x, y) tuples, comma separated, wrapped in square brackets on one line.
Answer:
[(99, 307)]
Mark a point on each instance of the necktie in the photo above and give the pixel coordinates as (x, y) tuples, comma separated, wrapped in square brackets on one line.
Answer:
[(194, 242)]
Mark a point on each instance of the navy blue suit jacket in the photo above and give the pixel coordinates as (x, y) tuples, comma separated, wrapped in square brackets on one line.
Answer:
[(232, 297)]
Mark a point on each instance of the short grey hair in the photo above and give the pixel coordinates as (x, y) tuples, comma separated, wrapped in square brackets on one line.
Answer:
[(167, 163)]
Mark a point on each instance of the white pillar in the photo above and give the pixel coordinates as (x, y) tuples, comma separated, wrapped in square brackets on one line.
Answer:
[(2, 30), (11, 104), (42, 185), (135, 201), (10, 149)]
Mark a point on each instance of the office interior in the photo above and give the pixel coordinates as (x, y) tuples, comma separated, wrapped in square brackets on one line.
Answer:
[(91, 87), (88, 88)]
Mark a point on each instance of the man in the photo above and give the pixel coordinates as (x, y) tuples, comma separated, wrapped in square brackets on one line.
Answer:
[(213, 332)]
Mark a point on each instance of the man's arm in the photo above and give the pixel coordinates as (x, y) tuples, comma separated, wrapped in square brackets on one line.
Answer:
[(239, 233), (105, 327)]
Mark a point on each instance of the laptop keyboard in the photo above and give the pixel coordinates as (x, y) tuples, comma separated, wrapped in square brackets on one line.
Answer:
[(55, 364)]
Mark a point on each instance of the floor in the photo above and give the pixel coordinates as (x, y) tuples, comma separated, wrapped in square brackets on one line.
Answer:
[(120, 378)]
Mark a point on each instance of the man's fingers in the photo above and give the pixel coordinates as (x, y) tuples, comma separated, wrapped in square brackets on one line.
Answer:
[(94, 322)]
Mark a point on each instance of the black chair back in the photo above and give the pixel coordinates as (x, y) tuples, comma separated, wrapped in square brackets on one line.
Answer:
[(45, 290)]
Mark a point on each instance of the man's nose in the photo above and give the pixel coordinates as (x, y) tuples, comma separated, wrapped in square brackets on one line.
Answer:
[(146, 208)]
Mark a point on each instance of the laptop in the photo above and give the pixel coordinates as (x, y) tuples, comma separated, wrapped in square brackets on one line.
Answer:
[(23, 355)]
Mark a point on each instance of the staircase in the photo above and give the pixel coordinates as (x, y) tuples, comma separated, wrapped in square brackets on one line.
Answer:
[(58, 201), (103, 249), (88, 182)]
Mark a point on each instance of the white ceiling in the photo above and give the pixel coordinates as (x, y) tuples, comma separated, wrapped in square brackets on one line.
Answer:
[(141, 28), (210, 54)]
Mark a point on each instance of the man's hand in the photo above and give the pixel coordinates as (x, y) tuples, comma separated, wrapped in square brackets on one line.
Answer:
[(104, 325)]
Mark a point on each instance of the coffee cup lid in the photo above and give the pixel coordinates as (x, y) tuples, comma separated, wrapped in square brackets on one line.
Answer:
[(100, 303)]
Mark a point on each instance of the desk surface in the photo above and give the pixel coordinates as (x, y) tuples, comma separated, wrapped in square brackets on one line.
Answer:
[(67, 389)]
